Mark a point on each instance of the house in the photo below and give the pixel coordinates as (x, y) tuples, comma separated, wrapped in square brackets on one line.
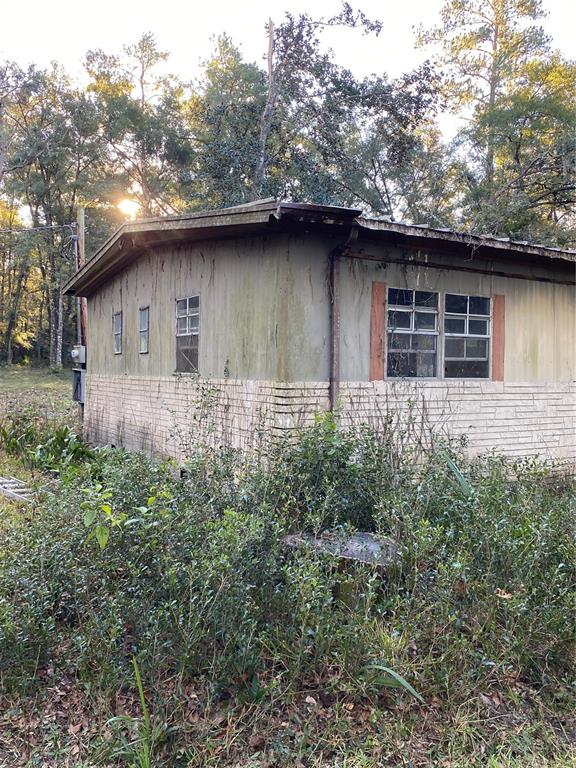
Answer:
[(222, 324)]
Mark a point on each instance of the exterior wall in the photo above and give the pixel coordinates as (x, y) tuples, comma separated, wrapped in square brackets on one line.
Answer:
[(264, 351), (170, 415), (540, 318), (264, 310)]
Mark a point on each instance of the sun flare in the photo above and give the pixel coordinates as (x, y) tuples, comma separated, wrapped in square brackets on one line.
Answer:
[(129, 207)]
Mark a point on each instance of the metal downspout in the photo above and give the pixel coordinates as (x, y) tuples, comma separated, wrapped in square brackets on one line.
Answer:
[(334, 294)]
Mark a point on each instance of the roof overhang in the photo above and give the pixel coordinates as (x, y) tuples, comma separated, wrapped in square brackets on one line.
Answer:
[(133, 239)]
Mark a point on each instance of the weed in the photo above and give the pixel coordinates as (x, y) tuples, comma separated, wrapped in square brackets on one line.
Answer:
[(192, 578)]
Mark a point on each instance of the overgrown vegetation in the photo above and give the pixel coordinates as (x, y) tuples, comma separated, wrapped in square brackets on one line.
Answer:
[(250, 653)]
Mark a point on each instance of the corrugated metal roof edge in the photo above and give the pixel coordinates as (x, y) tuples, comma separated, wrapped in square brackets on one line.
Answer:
[(467, 238)]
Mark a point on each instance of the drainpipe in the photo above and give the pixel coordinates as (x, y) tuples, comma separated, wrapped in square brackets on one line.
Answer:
[(334, 294)]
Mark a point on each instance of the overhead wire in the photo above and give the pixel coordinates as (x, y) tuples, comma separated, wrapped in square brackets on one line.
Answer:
[(25, 230)]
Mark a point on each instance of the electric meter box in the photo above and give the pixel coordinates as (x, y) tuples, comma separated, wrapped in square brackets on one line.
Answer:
[(78, 354)]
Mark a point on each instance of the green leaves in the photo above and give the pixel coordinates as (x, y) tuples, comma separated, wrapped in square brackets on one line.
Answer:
[(102, 533), (518, 96), (99, 515), (89, 517), (390, 679), (465, 486)]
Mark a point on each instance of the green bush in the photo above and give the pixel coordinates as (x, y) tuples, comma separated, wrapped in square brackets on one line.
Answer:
[(45, 441), (125, 559)]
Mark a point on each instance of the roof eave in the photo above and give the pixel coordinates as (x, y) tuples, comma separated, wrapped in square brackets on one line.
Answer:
[(467, 239), (132, 237)]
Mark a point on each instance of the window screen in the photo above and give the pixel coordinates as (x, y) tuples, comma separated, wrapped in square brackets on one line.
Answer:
[(466, 337), (117, 331), (187, 334), (412, 333), (144, 329)]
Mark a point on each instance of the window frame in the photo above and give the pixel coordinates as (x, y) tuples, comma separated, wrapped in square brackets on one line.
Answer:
[(412, 331), (465, 336), (190, 331), (144, 332), (117, 335), (440, 333)]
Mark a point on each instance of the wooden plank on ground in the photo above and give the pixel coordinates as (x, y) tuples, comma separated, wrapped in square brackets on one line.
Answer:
[(15, 490)]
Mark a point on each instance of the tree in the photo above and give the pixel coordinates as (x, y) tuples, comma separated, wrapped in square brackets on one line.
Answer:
[(298, 72), (53, 155), (141, 125), (518, 97), (222, 121)]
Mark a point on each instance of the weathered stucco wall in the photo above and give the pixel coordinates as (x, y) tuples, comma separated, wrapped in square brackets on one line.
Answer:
[(540, 317), (171, 415), (264, 310)]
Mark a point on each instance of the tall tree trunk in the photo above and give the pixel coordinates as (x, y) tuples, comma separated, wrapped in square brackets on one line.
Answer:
[(13, 312), (266, 118), (39, 327), (59, 330), (56, 325), (2, 139), (494, 81)]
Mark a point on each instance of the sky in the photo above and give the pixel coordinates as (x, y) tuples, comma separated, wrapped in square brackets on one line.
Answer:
[(40, 31)]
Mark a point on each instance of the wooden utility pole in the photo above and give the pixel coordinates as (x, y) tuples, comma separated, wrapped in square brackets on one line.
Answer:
[(80, 261)]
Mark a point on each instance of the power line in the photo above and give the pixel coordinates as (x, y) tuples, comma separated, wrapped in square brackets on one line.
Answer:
[(37, 229)]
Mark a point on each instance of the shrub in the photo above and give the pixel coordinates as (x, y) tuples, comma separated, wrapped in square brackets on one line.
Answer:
[(126, 560)]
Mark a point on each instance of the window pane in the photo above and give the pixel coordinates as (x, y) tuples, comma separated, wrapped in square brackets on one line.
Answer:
[(187, 354), (478, 327), (466, 369), (182, 325), (454, 348), (477, 348), (193, 323), (182, 308), (398, 341), (193, 302), (399, 319), (398, 297), (479, 305), (455, 303), (426, 299), (401, 364), (143, 342), (425, 321), (424, 342), (411, 365), (118, 322), (425, 364), (144, 319), (455, 325)]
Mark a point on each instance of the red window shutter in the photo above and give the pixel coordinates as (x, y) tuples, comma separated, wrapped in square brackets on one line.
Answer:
[(377, 331), (498, 337)]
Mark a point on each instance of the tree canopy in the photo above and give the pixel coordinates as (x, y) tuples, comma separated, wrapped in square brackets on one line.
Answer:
[(300, 127)]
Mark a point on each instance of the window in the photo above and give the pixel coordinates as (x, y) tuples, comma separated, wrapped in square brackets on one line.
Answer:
[(412, 333), (466, 337), (144, 329), (187, 334), (429, 338), (117, 330)]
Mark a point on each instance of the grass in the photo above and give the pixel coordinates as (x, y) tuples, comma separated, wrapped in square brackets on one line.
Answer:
[(17, 379), (147, 620)]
